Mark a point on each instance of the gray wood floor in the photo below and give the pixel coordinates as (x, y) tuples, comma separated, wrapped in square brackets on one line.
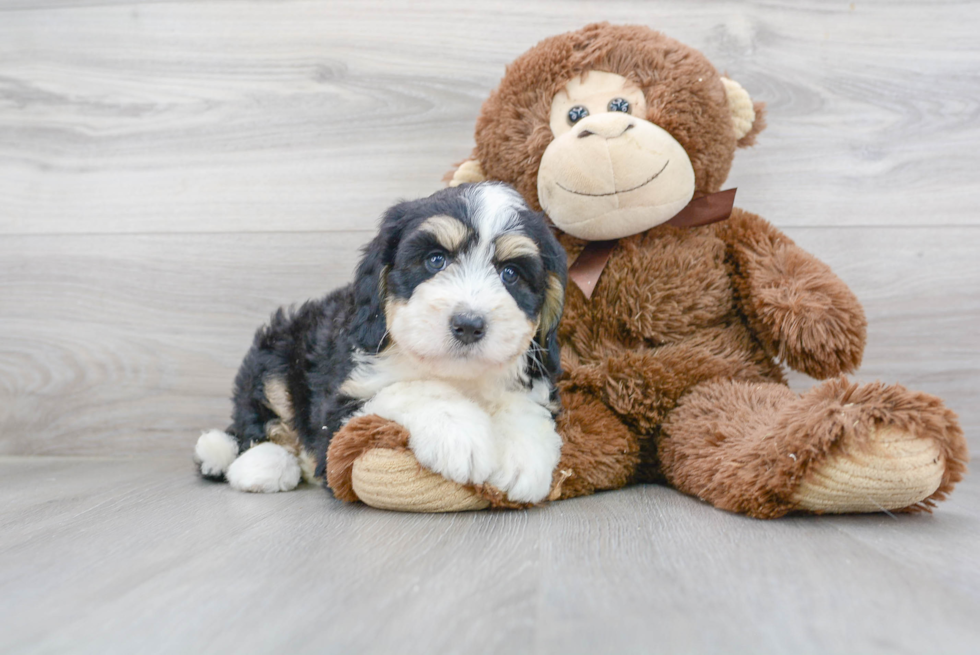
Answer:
[(171, 172), (139, 556)]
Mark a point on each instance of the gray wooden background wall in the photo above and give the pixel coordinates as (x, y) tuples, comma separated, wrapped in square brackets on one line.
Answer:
[(171, 172)]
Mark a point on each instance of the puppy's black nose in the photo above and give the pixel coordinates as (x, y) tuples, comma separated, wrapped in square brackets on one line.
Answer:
[(468, 328)]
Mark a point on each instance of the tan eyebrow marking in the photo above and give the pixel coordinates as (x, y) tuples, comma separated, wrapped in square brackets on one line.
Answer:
[(510, 246), (448, 231)]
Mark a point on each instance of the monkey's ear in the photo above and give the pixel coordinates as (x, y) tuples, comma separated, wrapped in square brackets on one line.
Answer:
[(369, 329), (748, 118), (467, 171)]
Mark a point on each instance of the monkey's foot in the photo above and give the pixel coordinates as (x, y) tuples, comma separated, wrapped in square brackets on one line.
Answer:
[(892, 470), (900, 450), (760, 449)]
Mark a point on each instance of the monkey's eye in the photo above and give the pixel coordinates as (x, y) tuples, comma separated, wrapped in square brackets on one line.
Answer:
[(509, 275), (619, 104), (435, 261), (577, 113)]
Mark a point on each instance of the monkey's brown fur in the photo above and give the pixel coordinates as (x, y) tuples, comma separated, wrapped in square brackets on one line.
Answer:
[(672, 368)]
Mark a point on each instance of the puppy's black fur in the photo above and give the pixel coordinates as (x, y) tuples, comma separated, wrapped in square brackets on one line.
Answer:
[(312, 347)]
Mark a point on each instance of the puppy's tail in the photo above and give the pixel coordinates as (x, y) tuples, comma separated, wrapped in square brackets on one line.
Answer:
[(214, 452)]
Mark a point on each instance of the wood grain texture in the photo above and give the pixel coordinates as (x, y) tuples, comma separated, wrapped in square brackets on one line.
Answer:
[(128, 343), (306, 115), (122, 556)]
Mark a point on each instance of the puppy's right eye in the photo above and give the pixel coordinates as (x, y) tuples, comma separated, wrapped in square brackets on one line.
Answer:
[(435, 262)]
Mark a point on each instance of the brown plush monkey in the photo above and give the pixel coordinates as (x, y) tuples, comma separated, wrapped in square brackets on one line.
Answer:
[(673, 365)]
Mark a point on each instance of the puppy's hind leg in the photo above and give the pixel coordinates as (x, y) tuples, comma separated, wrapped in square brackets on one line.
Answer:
[(266, 467), (259, 450), (216, 449), (271, 465)]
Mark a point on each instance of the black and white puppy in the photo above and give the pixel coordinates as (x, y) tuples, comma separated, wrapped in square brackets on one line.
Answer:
[(449, 329)]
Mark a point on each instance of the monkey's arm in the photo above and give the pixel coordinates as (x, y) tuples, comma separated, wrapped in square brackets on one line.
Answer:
[(642, 385), (799, 309)]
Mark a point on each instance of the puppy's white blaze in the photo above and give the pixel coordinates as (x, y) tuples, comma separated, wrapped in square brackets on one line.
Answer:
[(215, 451), (265, 468), (496, 208)]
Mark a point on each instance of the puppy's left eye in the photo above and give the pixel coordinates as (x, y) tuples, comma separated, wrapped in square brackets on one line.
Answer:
[(619, 104), (509, 275), (435, 261)]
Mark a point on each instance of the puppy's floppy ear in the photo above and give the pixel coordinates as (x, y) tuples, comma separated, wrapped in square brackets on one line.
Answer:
[(556, 277), (369, 329)]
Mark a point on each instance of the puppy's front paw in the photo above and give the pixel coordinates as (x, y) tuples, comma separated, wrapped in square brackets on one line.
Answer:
[(450, 434), (457, 447), (528, 450)]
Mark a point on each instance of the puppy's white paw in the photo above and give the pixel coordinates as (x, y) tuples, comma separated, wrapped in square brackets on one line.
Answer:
[(265, 468), (450, 434), (528, 450), (214, 453), (459, 449)]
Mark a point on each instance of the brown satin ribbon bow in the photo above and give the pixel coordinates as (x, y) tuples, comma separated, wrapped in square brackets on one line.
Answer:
[(592, 260)]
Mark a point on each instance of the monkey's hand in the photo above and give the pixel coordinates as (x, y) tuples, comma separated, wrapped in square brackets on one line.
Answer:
[(642, 385), (808, 317), (799, 309)]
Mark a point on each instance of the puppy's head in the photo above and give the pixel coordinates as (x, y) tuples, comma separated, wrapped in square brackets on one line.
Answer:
[(464, 281)]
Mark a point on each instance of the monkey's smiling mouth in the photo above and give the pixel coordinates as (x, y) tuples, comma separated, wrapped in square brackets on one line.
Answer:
[(613, 193)]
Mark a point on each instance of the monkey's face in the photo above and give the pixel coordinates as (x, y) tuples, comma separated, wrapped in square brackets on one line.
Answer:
[(611, 129), (609, 172)]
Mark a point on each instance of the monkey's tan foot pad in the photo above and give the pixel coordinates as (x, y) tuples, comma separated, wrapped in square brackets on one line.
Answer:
[(893, 469), (393, 479)]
